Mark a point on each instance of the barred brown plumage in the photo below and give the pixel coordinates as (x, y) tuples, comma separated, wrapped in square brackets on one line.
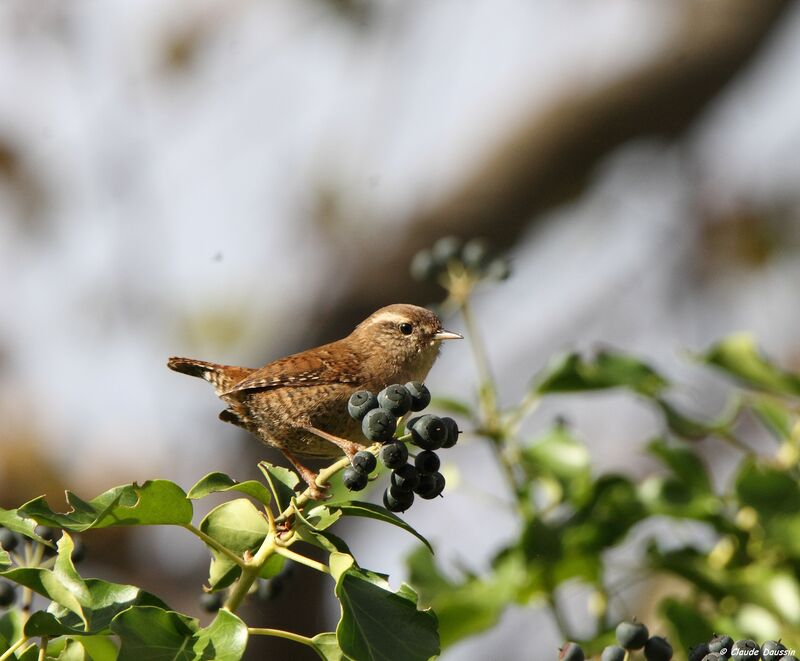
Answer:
[(298, 404)]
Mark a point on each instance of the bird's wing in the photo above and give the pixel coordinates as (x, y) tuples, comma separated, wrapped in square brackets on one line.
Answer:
[(310, 368)]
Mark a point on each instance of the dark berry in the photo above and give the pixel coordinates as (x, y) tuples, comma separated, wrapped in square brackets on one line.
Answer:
[(8, 540), (420, 395), (772, 649), (395, 399), (78, 550), (719, 643), (474, 254), (360, 403), (445, 249), (698, 652), (397, 500), (632, 635), (364, 462), (613, 653), (498, 269), (430, 485), (452, 432), (394, 455), (745, 649), (428, 432), (405, 478), (423, 267), (657, 649), (7, 594), (354, 479), (571, 652), (211, 602), (427, 462), (45, 532), (379, 425)]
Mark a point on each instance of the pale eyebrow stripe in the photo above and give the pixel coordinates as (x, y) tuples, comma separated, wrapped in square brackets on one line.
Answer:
[(387, 316)]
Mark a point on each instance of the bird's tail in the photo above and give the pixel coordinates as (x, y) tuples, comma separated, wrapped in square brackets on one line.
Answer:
[(222, 377)]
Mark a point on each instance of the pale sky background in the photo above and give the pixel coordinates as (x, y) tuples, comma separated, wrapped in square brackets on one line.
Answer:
[(180, 205)]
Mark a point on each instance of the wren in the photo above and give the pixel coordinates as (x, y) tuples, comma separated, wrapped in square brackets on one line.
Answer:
[(298, 404)]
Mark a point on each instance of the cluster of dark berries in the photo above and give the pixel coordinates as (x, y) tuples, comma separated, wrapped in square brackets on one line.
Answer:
[(634, 636), (630, 636), (378, 417), (474, 256), (723, 647)]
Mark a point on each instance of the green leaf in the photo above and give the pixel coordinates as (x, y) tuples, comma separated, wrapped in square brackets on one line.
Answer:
[(156, 502), (323, 539), (10, 627), (79, 606), (559, 454), (326, 645), (99, 648), (73, 651), (466, 608), (5, 559), (376, 623), (682, 425), (239, 526), (370, 511), (767, 489), (571, 373), (13, 521), (281, 482), (451, 405), (738, 356), (320, 517), (687, 467), (155, 634), (216, 482), (775, 417)]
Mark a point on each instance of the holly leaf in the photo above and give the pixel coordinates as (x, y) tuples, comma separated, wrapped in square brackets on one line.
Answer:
[(219, 482), (281, 482), (240, 527), (685, 464), (79, 606), (155, 634), (156, 502), (738, 356), (12, 520), (326, 645), (376, 623), (570, 372), (774, 417), (371, 511)]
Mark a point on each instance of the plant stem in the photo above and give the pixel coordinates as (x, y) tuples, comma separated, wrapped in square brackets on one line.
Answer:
[(525, 407), (214, 544), (487, 390), (303, 560), (43, 649), (10, 651), (322, 480), (279, 633), (250, 573)]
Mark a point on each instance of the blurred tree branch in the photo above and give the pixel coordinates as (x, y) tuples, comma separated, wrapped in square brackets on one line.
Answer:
[(548, 158)]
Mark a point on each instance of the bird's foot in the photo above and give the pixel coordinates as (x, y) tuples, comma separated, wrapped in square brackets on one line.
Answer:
[(348, 447)]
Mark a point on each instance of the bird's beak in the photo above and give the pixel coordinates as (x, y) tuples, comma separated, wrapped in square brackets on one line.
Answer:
[(447, 335)]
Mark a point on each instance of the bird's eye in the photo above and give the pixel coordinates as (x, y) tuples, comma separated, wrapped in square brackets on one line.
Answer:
[(406, 328)]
